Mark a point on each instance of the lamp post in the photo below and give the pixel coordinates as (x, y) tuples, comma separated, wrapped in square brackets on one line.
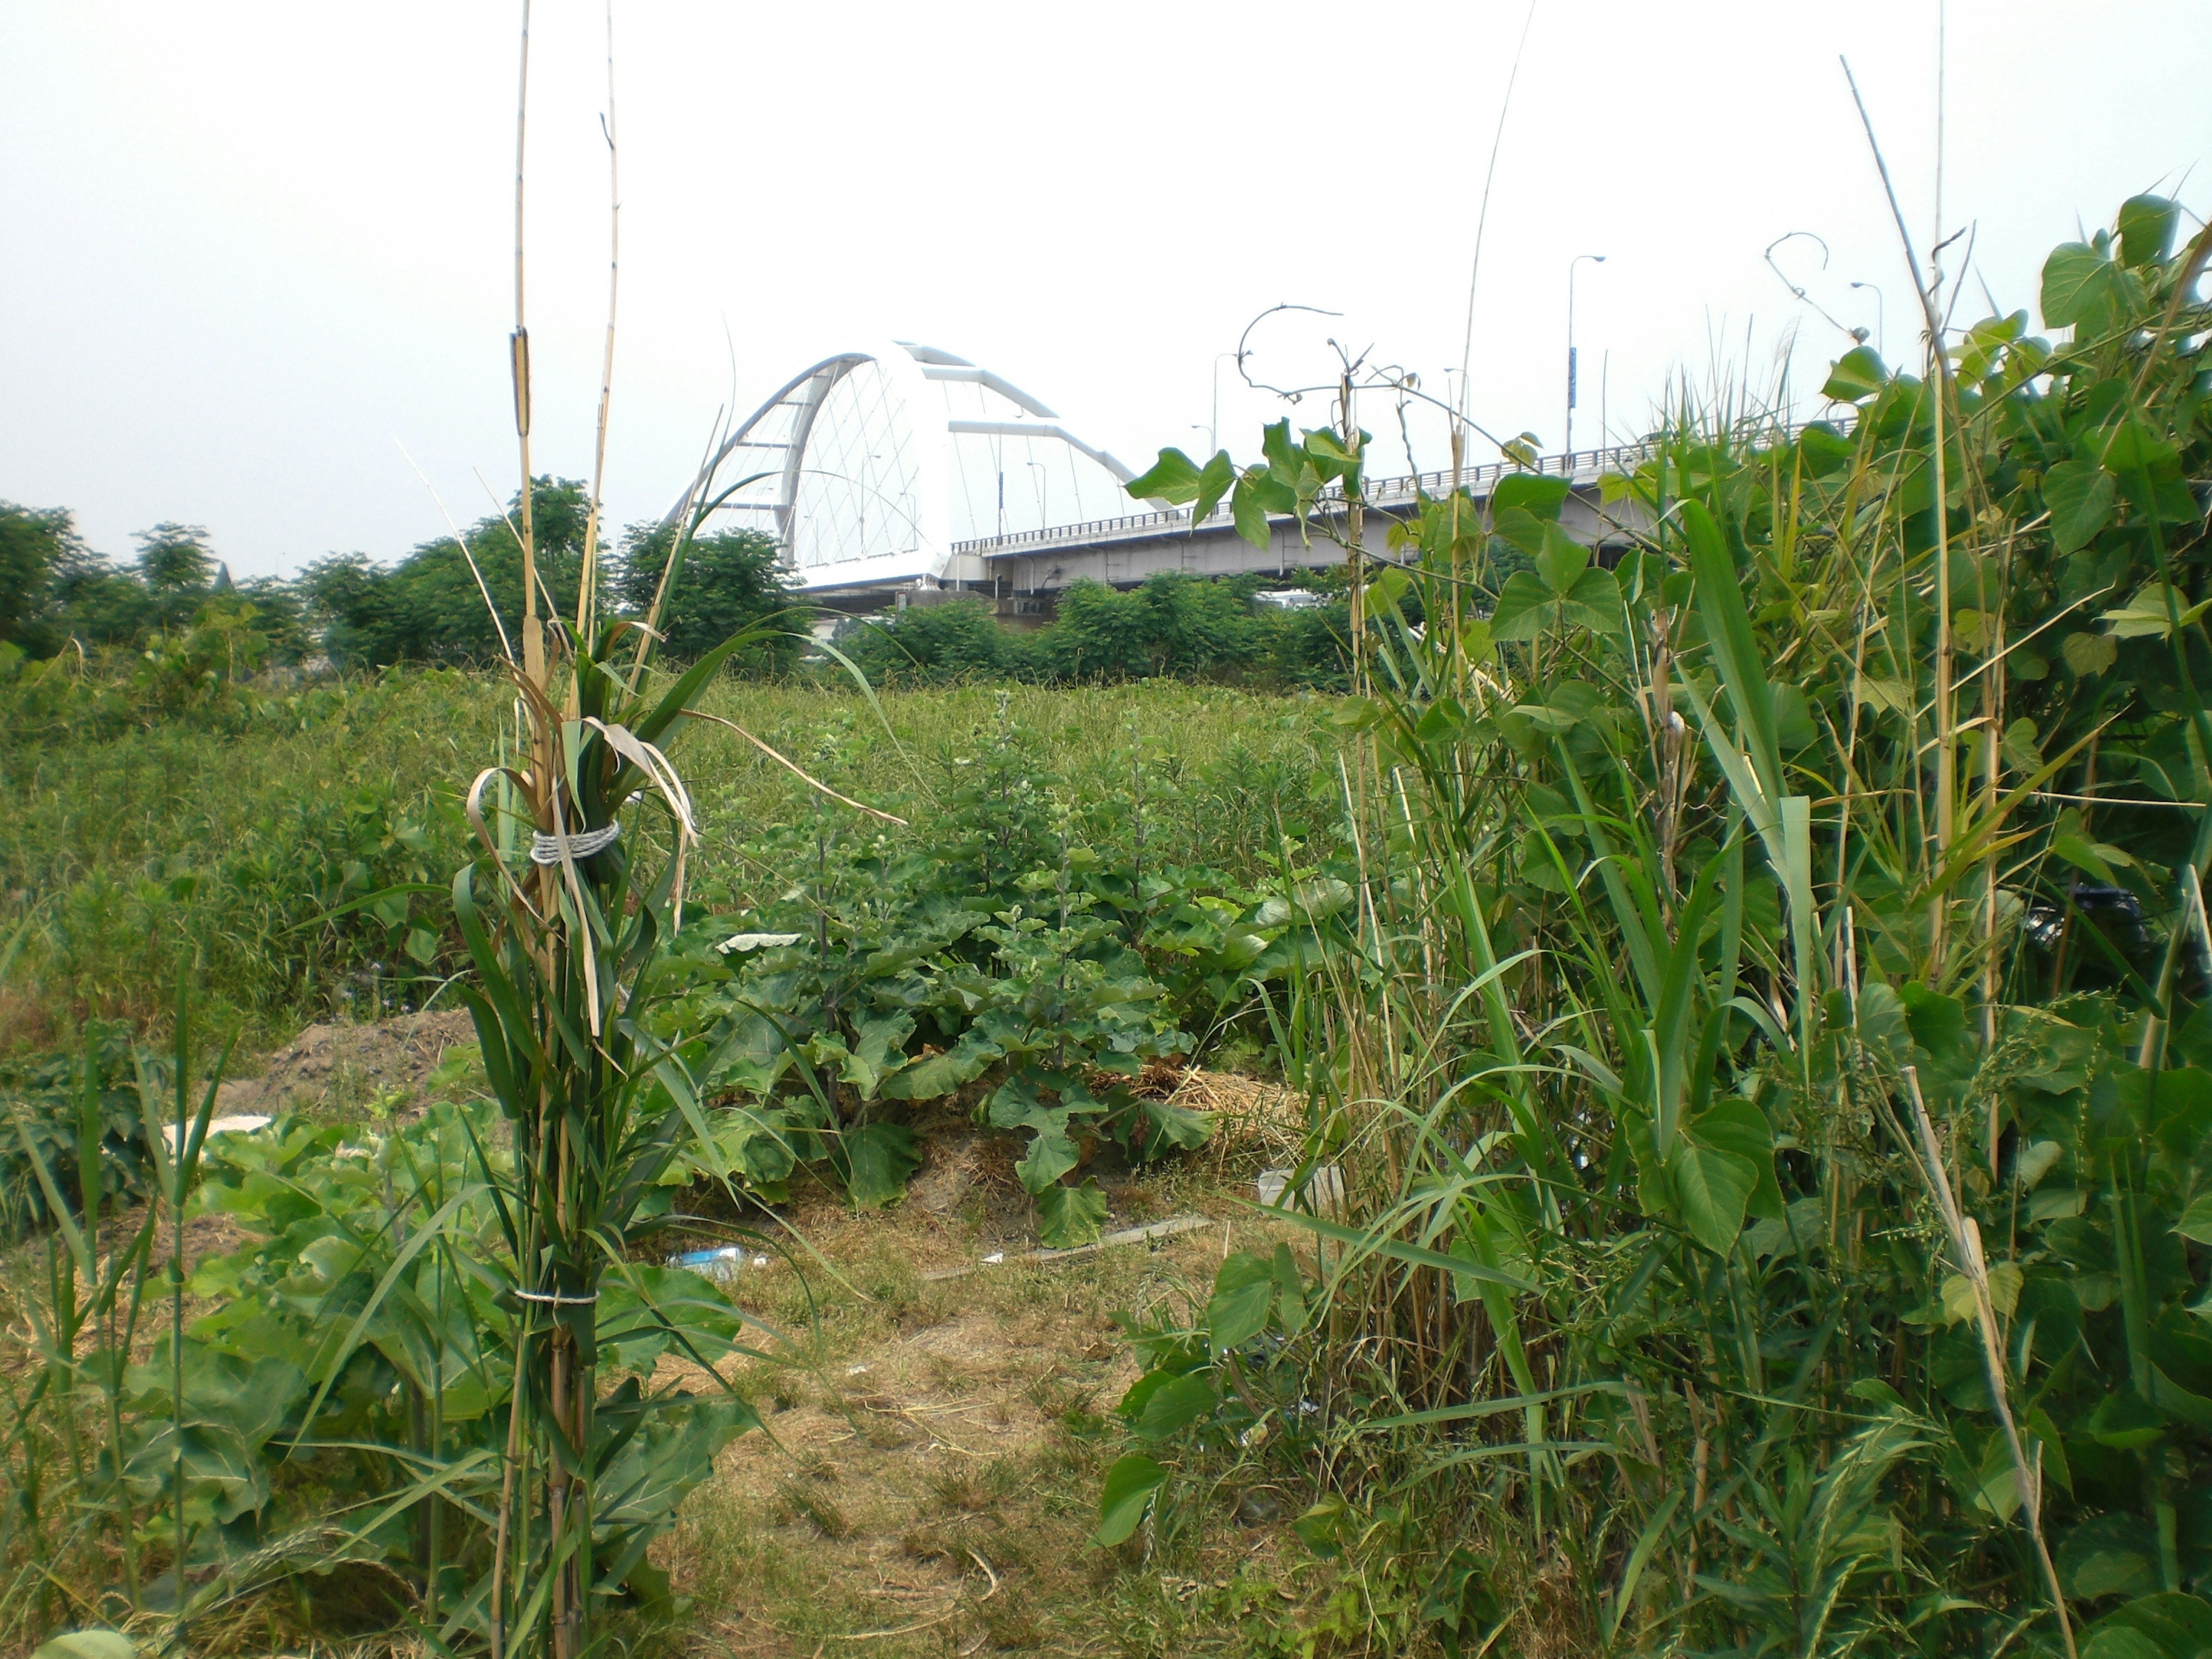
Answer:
[(1044, 494), (1595, 258), (1880, 326)]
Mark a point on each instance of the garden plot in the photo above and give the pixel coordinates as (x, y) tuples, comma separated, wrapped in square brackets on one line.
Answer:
[(930, 1485)]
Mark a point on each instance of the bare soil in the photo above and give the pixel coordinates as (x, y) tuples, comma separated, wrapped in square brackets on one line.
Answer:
[(345, 1066)]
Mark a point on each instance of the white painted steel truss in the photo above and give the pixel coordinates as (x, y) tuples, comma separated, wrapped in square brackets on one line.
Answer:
[(874, 465)]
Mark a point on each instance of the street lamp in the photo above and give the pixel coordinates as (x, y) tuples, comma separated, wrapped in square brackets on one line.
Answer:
[(1880, 329), (1044, 494), (1595, 258)]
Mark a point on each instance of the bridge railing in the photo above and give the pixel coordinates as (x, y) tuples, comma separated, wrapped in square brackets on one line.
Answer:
[(1587, 465)]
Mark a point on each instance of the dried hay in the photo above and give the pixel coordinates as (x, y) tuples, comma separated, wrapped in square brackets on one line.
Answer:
[(1256, 1122)]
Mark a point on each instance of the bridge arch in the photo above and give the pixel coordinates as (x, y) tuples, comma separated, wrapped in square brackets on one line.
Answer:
[(871, 467)]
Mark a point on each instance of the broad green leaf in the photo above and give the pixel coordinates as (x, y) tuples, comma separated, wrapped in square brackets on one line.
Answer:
[(2089, 654), (1174, 1405), (1892, 696), (2000, 1485), (1248, 509), (1174, 1126), (1520, 527), (1824, 449), (1122, 1500), (877, 1048), (2146, 616), (1738, 1127), (1321, 1529), (2133, 446), (878, 1159), (2111, 1554), (1859, 373), (2080, 495), (2118, 1641), (2005, 1282), (1068, 1216), (1243, 1292), (2196, 1222), (2147, 225), (1594, 602), (1960, 1305), (1051, 1155), (671, 1453), (2125, 1421), (2179, 1625), (1523, 606), (1713, 1189), (2073, 276), (940, 1074), (224, 1478), (1215, 479), (1175, 479), (1538, 494), (1561, 560), (2096, 858)]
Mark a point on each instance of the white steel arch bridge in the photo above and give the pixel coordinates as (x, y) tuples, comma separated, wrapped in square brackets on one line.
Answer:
[(896, 472), (877, 468)]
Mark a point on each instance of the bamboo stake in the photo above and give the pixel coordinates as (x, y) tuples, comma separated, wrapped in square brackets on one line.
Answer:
[(587, 585), (1966, 1245), (1939, 371), (533, 638)]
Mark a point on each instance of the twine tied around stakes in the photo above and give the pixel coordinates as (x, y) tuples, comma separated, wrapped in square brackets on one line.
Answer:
[(547, 849)]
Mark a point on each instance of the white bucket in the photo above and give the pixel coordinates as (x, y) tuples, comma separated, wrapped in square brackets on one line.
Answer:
[(1322, 1194)]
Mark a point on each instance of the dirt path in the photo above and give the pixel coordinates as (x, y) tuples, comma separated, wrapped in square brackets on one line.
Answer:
[(928, 1484), (936, 1425)]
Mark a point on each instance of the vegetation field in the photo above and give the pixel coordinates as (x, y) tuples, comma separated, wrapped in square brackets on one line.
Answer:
[(1725, 1032), (214, 845)]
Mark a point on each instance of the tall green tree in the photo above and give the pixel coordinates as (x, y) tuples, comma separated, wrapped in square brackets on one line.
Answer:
[(430, 607), (724, 584), (176, 571), (35, 548)]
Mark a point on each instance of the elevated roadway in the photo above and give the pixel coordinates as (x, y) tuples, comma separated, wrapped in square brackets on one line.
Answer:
[(1025, 572)]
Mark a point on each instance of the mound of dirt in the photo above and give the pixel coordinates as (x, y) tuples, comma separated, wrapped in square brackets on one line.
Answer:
[(347, 1065)]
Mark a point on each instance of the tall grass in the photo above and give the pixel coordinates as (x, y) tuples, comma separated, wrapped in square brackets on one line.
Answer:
[(1764, 1054)]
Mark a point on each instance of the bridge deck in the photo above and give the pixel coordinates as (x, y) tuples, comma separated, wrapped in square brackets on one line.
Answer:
[(1026, 570)]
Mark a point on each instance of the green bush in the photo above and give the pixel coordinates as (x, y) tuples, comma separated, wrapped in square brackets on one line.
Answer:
[(1173, 626), (726, 583)]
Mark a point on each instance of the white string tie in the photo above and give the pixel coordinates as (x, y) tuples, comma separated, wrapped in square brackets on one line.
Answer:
[(546, 849)]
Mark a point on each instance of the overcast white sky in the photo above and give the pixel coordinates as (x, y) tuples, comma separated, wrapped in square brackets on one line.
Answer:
[(244, 246)]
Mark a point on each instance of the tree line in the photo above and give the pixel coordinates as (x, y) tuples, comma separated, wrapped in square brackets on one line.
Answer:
[(430, 606), (449, 602)]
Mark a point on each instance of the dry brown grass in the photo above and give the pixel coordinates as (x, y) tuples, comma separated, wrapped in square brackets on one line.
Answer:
[(929, 1477)]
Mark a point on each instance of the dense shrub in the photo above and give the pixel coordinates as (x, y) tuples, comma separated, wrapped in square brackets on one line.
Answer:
[(725, 583), (1173, 626)]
